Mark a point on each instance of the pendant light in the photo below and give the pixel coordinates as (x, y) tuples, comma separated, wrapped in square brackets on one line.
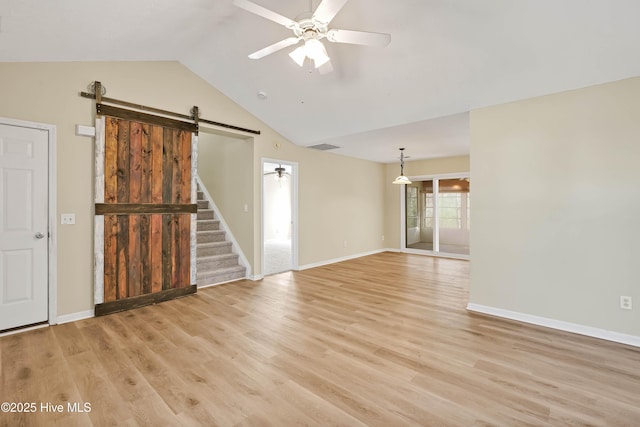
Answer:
[(401, 179)]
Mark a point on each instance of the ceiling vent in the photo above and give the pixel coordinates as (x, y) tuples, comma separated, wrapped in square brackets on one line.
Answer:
[(323, 147)]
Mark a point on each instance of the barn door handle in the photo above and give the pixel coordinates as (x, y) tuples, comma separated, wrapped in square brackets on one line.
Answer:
[(39, 235)]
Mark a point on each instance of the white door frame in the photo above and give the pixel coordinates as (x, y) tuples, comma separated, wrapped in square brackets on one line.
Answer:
[(294, 211), (52, 214)]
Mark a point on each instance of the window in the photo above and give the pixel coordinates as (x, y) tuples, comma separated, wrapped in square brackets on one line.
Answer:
[(428, 210), (454, 210), (450, 210), (412, 207)]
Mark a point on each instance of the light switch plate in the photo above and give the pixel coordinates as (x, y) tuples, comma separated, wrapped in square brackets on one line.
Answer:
[(68, 219)]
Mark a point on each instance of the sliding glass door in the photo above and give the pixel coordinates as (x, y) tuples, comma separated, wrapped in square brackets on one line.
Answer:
[(453, 216), (419, 215), (437, 216)]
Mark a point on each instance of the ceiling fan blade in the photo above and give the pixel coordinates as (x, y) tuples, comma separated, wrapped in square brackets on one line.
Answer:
[(327, 10), (274, 48), (326, 68), (359, 37), (265, 13)]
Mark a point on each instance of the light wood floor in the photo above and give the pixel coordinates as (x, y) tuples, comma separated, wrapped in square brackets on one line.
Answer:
[(383, 340)]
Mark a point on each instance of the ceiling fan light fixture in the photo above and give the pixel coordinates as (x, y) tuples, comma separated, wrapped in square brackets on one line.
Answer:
[(319, 62), (298, 55), (312, 49)]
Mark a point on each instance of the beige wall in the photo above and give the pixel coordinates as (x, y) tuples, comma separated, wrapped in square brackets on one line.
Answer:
[(330, 211), (340, 199), (412, 169), (225, 165), (556, 202)]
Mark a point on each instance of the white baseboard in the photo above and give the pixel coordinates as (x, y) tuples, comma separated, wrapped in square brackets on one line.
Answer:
[(213, 284), (557, 324), (254, 278), (396, 250), (66, 318), (334, 260)]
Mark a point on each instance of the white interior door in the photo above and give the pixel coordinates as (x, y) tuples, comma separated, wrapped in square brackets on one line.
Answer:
[(23, 226)]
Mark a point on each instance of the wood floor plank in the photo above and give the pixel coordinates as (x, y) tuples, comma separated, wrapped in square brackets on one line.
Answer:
[(382, 340)]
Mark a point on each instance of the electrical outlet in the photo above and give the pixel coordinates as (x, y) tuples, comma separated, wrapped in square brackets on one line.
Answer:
[(344, 244), (383, 237), (625, 303), (68, 219)]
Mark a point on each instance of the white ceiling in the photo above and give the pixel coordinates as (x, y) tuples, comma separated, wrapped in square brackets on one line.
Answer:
[(446, 57)]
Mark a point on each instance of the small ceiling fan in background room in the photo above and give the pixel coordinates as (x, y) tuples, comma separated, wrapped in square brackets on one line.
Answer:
[(280, 173), (312, 27)]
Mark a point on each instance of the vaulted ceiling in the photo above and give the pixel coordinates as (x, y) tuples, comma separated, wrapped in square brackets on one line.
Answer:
[(446, 57)]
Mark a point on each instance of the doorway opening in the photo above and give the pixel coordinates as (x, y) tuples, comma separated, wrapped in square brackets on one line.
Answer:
[(437, 214), (279, 224)]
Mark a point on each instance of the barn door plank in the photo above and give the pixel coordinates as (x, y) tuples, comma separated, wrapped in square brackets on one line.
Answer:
[(123, 257), (111, 161), (185, 248), (135, 186), (167, 166), (123, 162), (156, 253), (184, 222), (146, 166), (167, 251), (145, 255), (157, 173), (110, 257)]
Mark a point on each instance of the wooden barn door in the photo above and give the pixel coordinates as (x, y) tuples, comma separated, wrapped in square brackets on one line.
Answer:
[(147, 209)]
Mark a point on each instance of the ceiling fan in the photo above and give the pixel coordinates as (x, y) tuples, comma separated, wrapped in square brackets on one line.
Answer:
[(280, 174), (312, 27)]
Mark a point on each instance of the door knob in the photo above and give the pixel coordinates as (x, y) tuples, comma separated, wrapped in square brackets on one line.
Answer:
[(39, 235)]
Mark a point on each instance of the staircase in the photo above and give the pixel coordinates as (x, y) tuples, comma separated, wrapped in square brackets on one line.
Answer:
[(216, 261)]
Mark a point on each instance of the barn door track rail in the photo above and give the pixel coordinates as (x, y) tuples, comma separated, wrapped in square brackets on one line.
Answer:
[(187, 122)]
